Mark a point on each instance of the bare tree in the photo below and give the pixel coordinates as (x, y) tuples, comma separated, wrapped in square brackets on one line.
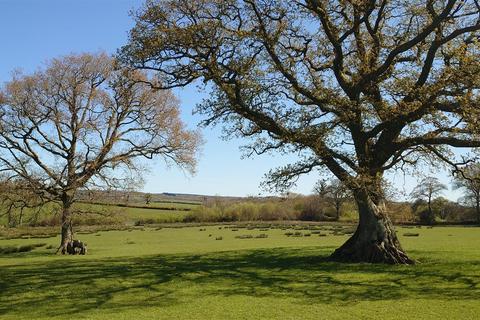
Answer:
[(469, 180), (82, 121), (428, 189), (354, 87)]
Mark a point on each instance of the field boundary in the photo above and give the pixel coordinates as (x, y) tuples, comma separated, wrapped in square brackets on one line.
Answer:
[(123, 205)]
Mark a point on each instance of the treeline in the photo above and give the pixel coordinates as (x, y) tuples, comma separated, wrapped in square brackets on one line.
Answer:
[(314, 208), (330, 201)]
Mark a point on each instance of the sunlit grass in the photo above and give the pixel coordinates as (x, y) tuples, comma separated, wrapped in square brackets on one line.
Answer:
[(184, 273)]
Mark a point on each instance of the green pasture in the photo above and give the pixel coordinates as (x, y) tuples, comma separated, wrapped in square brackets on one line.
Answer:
[(106, 214), (209, 272), (132, 214)]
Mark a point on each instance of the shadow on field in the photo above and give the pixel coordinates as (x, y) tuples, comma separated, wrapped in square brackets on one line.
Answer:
[(63, 287)]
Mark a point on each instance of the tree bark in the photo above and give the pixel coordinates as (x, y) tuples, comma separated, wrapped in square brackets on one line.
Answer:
[(20, 218), (10, 219), (67, 235), (431, 217), (375, 240), (478, 210)]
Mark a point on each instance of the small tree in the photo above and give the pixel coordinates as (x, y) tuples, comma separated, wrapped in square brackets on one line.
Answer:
[(148, 198), (468, 179), (441, 206), (428, 189), (335, 192), (82, 121)]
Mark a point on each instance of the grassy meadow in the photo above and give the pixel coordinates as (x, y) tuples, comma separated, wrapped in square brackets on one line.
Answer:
[(108, 214), (231, 272), (155, 212)]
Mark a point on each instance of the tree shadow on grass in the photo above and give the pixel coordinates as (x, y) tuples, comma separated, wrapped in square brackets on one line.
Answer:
[(71, 286)]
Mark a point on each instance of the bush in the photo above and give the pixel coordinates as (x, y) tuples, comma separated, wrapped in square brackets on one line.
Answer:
[(424, 217), (204, 214), (241, 211), (312, 210), (245, 211)]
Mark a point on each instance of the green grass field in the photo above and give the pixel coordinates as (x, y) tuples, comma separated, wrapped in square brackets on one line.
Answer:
[(133, 214), (185, 273), (128, 214)]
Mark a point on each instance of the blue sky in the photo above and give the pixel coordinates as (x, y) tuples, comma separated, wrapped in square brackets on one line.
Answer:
[(33, 31)]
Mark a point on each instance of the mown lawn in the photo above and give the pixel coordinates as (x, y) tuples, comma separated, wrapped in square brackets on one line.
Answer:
[(184, 273)]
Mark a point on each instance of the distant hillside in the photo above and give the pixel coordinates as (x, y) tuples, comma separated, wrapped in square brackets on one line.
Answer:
[(116, 196)]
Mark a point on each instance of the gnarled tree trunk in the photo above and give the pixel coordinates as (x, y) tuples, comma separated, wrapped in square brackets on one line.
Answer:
[(67, 235), (374, 240)]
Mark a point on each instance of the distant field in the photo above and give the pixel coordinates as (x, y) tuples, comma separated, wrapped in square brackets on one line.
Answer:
[(167, 205), (159, 215), (185, 273), (161, 212)]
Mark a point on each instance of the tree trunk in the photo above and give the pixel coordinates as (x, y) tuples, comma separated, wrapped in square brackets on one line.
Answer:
[(20, 218), (67, 235), (478, 210), (10, 218), (375, 240), (431, 217)]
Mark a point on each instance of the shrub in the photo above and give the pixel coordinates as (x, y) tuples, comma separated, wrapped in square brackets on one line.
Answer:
[(275, 211), (242, 211), (424, 217), (204, 214), (312, 210), (246, 211)]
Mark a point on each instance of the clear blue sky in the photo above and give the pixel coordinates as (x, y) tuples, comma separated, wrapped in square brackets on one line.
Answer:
[(32, 31)]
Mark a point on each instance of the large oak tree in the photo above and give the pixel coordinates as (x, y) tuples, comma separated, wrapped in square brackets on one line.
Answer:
[(82, 121), (357, 87)]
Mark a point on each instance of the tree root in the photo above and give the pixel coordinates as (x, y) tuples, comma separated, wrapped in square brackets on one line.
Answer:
[(354, 252)]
